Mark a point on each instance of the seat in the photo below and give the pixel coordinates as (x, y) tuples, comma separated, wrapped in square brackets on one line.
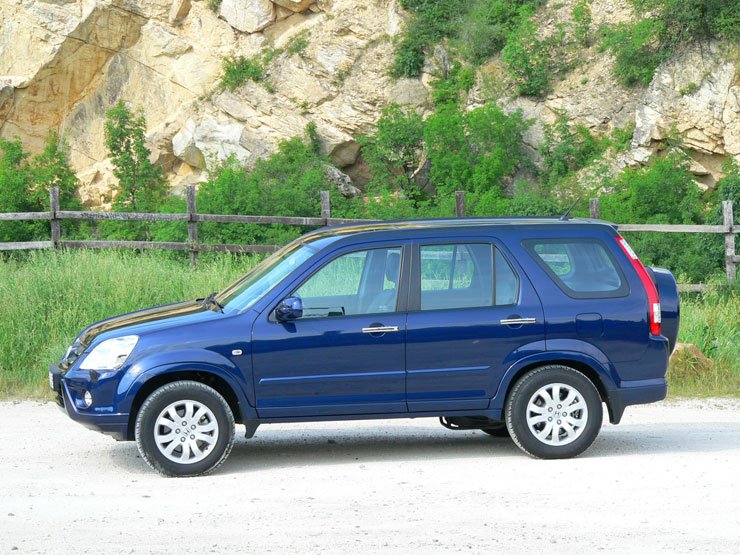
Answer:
[(385, 301)]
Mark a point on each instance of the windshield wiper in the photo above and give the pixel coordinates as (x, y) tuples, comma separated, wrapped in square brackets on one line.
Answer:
[(211, 303)]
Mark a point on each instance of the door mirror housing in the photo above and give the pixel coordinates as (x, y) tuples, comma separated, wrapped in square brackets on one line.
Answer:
[(289, 309)]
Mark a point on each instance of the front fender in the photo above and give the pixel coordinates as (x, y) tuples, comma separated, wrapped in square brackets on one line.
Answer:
[(198, 360)]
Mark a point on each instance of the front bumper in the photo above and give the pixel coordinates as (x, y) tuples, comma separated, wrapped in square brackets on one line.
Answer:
[(113, 424)]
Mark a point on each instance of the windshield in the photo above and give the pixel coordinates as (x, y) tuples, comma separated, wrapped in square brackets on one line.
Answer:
[(268, 273)]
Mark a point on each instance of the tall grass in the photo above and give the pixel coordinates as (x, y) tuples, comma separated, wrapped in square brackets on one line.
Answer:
[(49, 297), (710, 322)]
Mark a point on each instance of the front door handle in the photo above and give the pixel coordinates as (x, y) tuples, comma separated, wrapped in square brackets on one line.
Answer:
[(380, 329), (518, 321)]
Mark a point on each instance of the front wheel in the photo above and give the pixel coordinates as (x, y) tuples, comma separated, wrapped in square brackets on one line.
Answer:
[(554, 412), (185, 428)]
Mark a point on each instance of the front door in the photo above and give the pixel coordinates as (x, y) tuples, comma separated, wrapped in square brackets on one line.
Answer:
[(472, 312), (346, 355)]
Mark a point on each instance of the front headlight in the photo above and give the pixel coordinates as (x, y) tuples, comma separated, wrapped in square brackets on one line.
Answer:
[(110, 354)]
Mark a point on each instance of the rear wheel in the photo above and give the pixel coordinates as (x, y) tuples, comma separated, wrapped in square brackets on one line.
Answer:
[(185, 428), (554, 412)]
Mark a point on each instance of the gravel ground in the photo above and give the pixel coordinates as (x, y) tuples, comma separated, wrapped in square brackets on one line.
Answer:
[(665, 480)]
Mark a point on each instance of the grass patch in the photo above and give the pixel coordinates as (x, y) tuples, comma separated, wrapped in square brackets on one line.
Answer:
[(57, 294), (709, 322)]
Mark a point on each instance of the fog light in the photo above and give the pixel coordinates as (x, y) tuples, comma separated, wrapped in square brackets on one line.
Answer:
[(88, 399)]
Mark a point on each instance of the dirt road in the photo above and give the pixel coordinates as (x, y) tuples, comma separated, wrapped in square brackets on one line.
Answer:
[(665, 480)]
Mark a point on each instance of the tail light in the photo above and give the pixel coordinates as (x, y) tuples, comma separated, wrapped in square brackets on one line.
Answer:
[(647, 283)]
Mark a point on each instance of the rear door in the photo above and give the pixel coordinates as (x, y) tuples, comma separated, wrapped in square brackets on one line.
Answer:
[(473, 312), (590, 298)]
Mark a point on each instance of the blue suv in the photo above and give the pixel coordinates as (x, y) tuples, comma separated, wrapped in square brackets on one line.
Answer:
[(520, 327)]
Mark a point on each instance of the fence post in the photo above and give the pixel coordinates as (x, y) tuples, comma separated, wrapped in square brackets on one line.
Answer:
[(594, 209), (56, 228), (460, 204), (729, 220), (192, 225), (326, 206)]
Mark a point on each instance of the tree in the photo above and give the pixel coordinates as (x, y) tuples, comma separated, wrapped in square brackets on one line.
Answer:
[(141, 185), (51, 169)]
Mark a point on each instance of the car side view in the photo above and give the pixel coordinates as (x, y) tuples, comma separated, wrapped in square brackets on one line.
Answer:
[(520, 327)]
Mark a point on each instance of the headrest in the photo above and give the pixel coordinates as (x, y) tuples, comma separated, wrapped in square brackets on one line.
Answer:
[(392, 266)]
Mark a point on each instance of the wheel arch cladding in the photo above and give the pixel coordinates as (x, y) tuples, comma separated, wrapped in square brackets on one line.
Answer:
[(591, 373), (155, 382)]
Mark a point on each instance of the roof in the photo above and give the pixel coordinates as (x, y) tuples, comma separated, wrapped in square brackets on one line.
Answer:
[(447, 223)]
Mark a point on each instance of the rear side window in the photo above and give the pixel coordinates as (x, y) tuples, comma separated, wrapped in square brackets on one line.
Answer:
[(465, 275), (582, 268)]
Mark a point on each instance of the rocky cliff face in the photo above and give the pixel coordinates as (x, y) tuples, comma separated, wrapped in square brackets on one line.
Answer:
[(64, 62)]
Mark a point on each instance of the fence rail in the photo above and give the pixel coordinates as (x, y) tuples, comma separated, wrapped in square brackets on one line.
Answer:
[(192, 217)]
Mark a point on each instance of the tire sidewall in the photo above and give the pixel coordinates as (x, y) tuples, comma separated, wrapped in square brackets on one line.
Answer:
[(516, 411), (171, 393)]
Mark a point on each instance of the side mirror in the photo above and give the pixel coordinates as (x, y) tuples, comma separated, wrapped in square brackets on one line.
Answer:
[(289, 309)]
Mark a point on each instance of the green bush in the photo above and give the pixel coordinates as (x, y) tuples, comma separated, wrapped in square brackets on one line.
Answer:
[(565, 149), (487, 26), (472, 151), (663, 193), (582, 22), (636, 50), (528, 60), (393, 153), (640, 47), (686, 20), (287, 183), (25, 183), (431, 21), (459, 80), (238, 70)]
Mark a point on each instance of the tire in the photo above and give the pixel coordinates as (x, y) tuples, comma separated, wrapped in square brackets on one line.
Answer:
[(497, 431), (534, 418), (198, 447)]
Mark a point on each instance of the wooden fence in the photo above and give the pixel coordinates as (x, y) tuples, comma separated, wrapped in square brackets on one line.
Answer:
[(55, 215)]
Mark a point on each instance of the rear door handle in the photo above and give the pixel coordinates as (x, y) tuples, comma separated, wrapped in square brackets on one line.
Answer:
[(380, 329), (518, 321)]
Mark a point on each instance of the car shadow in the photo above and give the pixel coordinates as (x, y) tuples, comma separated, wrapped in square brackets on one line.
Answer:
[(286, 447)]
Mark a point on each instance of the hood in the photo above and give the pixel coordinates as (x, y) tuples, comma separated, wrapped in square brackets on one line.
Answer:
[(178, 313)]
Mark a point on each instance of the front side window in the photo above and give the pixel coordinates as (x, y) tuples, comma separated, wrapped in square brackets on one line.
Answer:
[(582, 268), (359, 282), (465, 275)]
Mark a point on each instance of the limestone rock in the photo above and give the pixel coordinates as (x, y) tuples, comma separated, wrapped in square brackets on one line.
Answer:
[(248, 16), (96, 183), (341, 181), (209, 141), (183, 146), (409, 91), (179, 11), (295, 5), (697, 94)]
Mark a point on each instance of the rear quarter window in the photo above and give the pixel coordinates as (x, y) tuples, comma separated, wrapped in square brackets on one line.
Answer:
[(582, 268)]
